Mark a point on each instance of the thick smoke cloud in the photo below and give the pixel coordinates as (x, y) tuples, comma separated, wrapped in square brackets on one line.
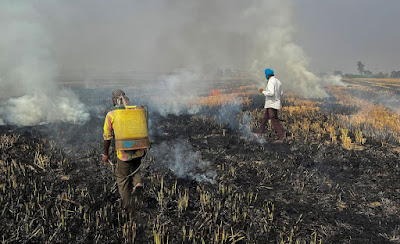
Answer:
[(166, 36), (276, 49), (28, 91), (169, 35)]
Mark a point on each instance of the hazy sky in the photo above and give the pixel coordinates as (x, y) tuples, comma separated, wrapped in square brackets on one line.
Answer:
[(336, 34)]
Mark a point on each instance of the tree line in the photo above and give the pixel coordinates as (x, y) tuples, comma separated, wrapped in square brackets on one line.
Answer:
[(364, 73)]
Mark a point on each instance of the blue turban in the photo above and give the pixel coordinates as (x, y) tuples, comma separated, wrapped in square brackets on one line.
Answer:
[(268, 72)]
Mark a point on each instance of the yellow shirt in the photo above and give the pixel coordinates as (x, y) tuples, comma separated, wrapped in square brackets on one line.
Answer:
[(124, 155)]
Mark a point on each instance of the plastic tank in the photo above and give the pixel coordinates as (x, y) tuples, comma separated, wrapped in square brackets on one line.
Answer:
[(130, 128)]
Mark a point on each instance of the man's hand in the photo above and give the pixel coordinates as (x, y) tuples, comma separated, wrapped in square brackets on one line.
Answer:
[(104, 158), (261, 90)]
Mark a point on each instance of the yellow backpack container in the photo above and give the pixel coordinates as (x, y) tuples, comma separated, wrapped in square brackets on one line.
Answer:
[(130, 128)]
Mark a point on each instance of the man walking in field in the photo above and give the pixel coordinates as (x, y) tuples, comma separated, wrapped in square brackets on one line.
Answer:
[(272, 95), (128, 161)]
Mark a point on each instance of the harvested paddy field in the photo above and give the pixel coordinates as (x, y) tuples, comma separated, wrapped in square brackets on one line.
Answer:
[(334, 179)]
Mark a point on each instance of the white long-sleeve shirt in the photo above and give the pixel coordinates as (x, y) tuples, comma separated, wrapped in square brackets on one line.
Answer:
[(273, 93)]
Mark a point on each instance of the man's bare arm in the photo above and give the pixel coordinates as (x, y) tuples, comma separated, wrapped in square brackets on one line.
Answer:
[(106, 146)]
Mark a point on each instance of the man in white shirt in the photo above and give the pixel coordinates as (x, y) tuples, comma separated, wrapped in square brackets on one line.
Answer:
[(272, 94)]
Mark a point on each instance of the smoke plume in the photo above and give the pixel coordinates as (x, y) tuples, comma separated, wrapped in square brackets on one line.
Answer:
[(159, 36), (166, 36), (28, 90), (177, 92), (277, 50), (181, 158)]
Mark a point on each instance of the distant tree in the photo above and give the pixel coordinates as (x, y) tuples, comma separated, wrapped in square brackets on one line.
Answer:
[(395, 74), (352, 76), (380, 75), (360, 67), (338, 72), (368, 73)]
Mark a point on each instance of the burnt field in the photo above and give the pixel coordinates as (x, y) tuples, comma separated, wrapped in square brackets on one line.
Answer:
[(335, 178)]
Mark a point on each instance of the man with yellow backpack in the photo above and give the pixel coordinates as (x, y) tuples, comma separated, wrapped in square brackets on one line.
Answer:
[(118, 124)]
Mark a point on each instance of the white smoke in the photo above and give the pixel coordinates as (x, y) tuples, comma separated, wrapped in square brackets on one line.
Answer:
[(40, 108), (27, 72), (277, 50), (228, 114), (177, 92), (181, 158), (163, 36), (391, 102), (151, 36), (333, 80), (246, 132)]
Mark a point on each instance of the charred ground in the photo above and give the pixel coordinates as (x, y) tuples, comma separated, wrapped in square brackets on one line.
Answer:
[(55, 189)]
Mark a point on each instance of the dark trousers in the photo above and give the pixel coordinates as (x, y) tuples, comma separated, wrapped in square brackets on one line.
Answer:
[(127, 183), (272, 114)]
